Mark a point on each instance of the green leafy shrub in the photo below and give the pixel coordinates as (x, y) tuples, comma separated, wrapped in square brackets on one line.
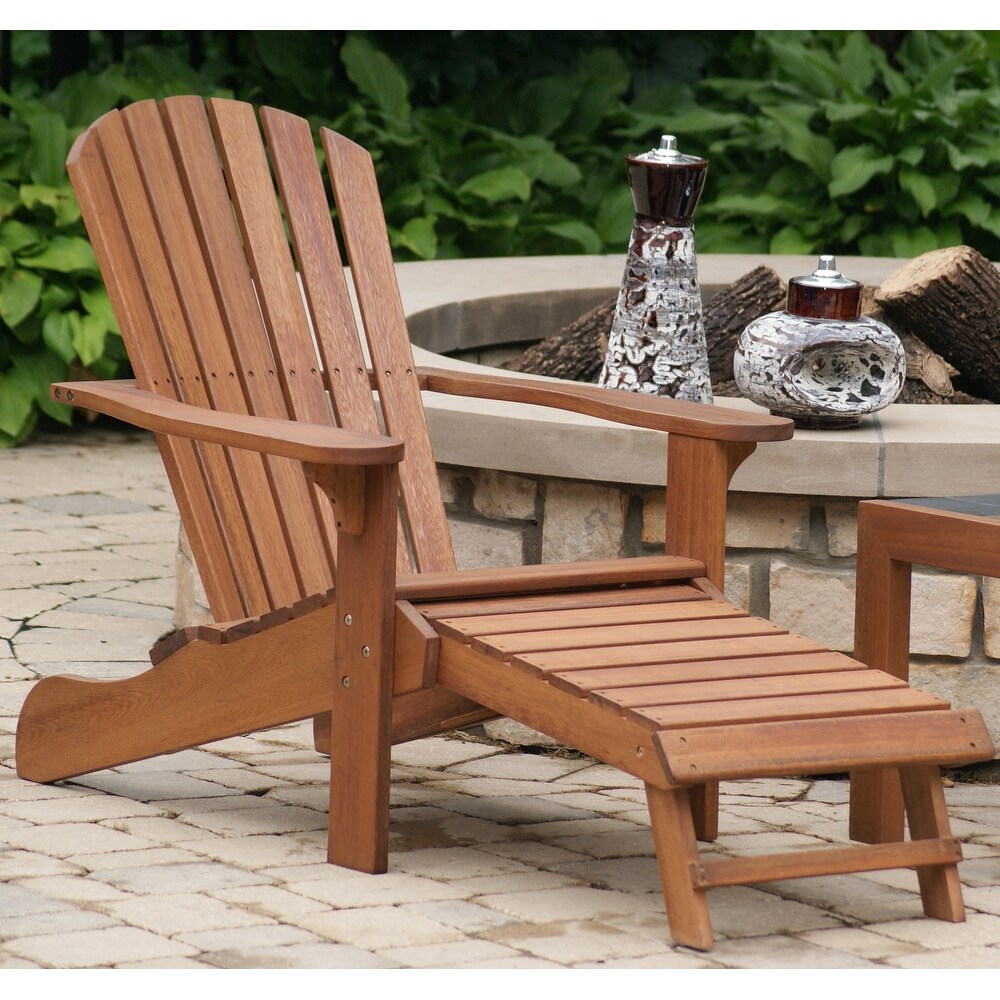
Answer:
[(55, 316), (502, 142), (822, 142)]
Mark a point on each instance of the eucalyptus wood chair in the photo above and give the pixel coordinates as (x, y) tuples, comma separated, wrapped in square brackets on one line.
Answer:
[(261, 397)]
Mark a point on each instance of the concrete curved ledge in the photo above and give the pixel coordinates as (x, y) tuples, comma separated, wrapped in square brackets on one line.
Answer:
[(464, 305)]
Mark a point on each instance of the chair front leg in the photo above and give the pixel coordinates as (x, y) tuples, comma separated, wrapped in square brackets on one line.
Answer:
[(364, 501)]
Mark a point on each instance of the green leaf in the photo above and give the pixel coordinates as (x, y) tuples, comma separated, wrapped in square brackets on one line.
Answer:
[(498, 185), (613, 219), (857, 59), (802, 144), (57, 337), (10, 200), (972, 156), (418, 235), (845, 111), (55, 298), (66, 254), (60, 200), (920, 187), (754, 204), (788, 239), (19, 294), (45, 159), (19, 238), (87, 334), (543, 105), (292, 56), (376, 76), (976, 209), (912, 155), (852, 168), (576, 232), (16, 399), (96, 302), (991, 184)]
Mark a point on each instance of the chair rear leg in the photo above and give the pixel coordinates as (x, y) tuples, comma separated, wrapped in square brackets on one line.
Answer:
[(676, 851), (927, 816)]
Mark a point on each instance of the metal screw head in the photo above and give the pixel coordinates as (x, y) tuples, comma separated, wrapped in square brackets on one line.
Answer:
[(348, 619), (365, 651), (345, 681)]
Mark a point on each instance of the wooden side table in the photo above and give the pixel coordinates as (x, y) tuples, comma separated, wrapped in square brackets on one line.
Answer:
[(960, 533)]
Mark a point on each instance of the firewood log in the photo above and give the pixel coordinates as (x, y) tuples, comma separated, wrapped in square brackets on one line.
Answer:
[(950, 299)]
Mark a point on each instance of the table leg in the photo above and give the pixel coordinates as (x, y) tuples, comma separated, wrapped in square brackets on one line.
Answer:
[(881, 640)]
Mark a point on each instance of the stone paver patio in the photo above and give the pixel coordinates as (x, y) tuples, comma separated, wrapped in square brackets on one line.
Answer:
[(215, 857)]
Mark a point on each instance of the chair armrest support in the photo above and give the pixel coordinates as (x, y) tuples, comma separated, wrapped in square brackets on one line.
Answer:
[(294, 439), (639, 410)]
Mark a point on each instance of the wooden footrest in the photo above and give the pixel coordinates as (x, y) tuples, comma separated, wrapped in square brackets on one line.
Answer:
[(714, 692), (817, 746)]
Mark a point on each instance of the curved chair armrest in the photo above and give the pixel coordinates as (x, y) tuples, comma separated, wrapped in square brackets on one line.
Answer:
[(654, 412), (285, 438)]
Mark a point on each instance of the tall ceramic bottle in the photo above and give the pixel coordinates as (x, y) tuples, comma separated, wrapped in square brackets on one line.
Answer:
[(657, 340)]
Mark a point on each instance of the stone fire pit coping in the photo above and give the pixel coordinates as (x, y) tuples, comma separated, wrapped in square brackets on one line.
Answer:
[(904, 450)]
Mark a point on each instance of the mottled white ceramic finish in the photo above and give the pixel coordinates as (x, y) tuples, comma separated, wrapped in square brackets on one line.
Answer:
[(819, 372), (657, 340)]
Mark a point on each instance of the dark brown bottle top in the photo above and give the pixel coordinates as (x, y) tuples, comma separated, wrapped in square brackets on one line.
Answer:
[(825, 294), (666, 184)]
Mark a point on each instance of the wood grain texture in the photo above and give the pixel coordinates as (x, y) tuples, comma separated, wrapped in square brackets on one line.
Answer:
[(572, 600), (676, 851), (70, 725), (698, 476), (927, 815), (618, 700), (627, 677), (209, 347), (359, 209), (672, 415), (816, 706), (362, 682), (595, 639), (292, 439), (306, 526), (826, 861), (665, 652), (106, 228), (483, 625), (570, 720), (891, 538), (823, 745), (547, 577)]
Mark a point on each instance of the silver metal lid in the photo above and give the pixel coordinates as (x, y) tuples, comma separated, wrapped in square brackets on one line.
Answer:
[(667, 152), (826, 275)]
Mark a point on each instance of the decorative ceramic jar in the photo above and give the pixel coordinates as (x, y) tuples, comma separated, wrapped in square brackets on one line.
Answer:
[(819, 361), (657, 339)]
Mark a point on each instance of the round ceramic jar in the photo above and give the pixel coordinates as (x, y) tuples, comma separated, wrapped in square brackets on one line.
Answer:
[(819, 361)]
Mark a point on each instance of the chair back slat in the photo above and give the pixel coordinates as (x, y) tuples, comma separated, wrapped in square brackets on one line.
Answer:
[(176, 375), (300, 183), (199, 347), (308, 529), (359, 209), (184, 465)]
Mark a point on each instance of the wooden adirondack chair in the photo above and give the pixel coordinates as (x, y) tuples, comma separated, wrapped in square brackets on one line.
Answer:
[(262, 401)]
